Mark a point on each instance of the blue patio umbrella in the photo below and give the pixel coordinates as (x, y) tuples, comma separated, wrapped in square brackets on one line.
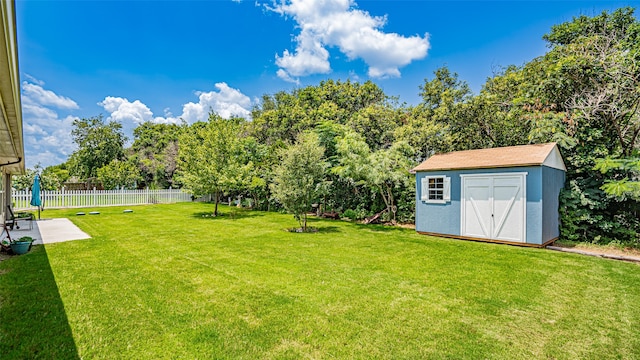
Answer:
[(35, 194)]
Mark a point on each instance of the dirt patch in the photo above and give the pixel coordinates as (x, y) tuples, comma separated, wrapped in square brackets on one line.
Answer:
[(601, 249), (629, 254), (300, 230), (4, 256)]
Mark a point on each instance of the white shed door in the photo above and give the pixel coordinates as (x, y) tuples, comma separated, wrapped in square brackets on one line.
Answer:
[(494, 206)]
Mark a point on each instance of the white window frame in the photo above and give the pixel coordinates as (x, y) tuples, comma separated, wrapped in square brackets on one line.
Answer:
[(446, 189)]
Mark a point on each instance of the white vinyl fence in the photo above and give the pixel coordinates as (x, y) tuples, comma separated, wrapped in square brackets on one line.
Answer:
[(95, 198)]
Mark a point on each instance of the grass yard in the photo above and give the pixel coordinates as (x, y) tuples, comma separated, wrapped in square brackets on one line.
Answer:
[(164, 282)]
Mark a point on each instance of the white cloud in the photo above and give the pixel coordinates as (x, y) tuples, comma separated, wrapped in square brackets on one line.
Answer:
[(226, 102), (47, 136), (286, 77), (34, 80), (36, 111), (44, 158), (357, 34), (122, 110), (54, 137), (32, 129), (310, 58), (47, 129), (39, 95)]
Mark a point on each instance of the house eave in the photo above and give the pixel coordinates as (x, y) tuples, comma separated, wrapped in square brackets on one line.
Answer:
[(11, 132)]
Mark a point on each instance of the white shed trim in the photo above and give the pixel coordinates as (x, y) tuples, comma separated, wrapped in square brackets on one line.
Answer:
[(554, 160), (482, 216)]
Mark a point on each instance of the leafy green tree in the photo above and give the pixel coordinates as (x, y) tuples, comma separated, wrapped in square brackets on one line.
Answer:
[(389, 172), (119, 174), (48, 179), (377, 124), (296, 178), (494, 118), (57, 174), (385, 170), (155, 149), (98, 143), (338, 194), (210, 157), (443, 101), (425, 135), (626, 183), (282, 116), (354, 156), (583, 94), (260, 160), (586, 94)]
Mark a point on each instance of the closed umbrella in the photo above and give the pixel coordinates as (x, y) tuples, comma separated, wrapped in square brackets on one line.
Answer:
[(35, 194)]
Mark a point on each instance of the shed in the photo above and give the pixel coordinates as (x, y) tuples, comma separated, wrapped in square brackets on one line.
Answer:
[(506, 195)]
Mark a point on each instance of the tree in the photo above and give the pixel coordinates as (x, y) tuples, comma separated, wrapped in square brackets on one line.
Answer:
[(155, 148), (626, 182), (296, 178), (57, 175), (377, 124), (260, 160), (443, 100), (386, 170), (282, 116), (425, 135), (210, 157), (587, 95), (389, 173), (49, 180), (584, 95), (119, 174), (98, 143)]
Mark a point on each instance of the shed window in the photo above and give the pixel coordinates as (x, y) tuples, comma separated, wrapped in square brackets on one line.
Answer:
[(436, 189)]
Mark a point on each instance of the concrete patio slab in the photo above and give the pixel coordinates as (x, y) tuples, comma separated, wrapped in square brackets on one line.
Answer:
[(51, 231)]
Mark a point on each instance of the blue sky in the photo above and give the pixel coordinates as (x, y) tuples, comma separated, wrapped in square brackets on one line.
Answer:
[(162, 61)]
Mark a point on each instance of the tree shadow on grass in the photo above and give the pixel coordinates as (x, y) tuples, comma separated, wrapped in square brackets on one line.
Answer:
[(328, 229), (232, 214), (33, 322), (318, 223), (380, 228)]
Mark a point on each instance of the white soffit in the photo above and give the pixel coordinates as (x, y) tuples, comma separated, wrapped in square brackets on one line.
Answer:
[(11, 143)]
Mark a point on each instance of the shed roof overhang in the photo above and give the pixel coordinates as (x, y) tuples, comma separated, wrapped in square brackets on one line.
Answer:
[(11, 141), (502, 157)]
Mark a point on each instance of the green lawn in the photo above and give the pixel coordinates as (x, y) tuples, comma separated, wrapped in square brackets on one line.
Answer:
[(164, 282)]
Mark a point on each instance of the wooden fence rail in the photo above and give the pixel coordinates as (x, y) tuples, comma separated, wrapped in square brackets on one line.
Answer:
[(96, 198)]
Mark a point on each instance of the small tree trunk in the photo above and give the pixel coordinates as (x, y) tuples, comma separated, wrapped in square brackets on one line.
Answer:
[(386, 191), (392, 203), (384, 198), (215, 212), (304, 222)]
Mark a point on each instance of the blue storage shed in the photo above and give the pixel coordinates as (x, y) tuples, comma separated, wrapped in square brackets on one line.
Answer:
[(506, 195)]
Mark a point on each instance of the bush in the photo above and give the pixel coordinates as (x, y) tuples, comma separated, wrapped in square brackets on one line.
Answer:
[(357, 214), (587, 214), (350, 214)]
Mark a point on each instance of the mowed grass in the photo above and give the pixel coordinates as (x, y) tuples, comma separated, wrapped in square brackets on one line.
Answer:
[(164, 282)]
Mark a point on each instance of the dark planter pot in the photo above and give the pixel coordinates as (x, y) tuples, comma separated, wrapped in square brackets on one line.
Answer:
[(20, 247)]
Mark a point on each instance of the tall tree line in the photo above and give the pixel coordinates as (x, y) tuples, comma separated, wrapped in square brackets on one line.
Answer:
[(584, 94)]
